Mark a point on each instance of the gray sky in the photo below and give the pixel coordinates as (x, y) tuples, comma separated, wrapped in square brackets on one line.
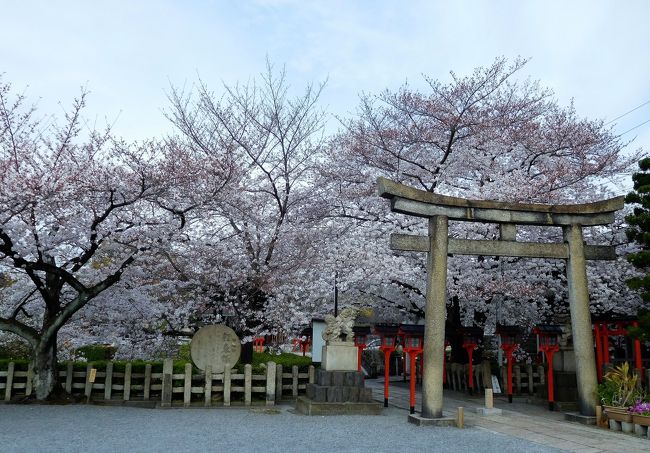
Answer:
[(128, 52)]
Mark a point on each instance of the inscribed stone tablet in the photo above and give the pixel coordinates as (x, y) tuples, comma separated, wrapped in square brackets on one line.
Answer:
[(215, 346)]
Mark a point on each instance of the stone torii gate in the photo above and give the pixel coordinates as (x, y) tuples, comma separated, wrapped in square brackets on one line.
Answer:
[(439, 209)]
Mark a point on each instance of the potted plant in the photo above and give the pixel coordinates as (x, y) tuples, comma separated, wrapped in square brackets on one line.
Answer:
[(619, 390), (640, 413)]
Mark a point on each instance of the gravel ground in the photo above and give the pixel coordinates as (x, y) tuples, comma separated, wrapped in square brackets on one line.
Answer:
[(37, 428)]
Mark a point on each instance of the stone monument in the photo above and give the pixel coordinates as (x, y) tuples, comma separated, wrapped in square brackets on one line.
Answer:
[(339, 387), (215, 347)]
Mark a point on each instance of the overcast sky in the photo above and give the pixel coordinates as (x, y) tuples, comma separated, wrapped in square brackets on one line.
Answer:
[(128, 52)]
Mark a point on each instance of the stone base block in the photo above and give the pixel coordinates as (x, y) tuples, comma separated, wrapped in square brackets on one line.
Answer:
[(422, 421), (640, 430), (307, 407), (340, 356), (614, 425), (484, 411), (627, 427), (338, 394), (578, 417)]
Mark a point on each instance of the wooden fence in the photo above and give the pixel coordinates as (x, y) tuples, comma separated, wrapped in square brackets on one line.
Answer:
[(525, 379), (168, 388)]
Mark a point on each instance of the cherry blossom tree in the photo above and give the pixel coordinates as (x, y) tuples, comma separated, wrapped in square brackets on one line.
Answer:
[(488, 135), (78, 209), (260, 237)]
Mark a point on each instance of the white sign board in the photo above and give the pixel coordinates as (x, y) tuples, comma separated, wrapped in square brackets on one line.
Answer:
[(496, 389)]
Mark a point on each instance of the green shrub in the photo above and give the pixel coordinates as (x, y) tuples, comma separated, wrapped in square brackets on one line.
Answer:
[(15, 349), (96, 352)]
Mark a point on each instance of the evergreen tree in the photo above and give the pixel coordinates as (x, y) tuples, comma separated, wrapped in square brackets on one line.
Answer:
[(639, 231)]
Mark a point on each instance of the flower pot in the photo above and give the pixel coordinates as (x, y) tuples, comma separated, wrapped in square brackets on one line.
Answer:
[(643, 420), (618, 413)]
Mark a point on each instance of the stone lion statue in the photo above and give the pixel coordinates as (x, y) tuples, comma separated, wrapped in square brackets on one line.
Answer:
[(340, 328)]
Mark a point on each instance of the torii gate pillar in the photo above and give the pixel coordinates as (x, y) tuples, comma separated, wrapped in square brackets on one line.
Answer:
[(434, 321), (583, 344)]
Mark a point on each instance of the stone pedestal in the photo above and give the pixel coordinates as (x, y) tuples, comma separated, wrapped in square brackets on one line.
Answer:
[(340, 356), (336, 393)]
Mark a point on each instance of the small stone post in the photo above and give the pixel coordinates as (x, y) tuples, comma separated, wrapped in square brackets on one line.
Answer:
[(270, 383), (166, 395), (207, 387), (278, 383), (187, 385), (147, 381), (460, 422), (127, 381), (489, 399), (227, 370), (10, 381), (248, 382), (108, 381)]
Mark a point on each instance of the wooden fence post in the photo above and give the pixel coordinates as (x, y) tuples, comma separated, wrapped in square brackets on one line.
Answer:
[(30, 378), (147, 381), (312, 374), (542, 375), (10, 380), (207, 390), (108, 381), (168, 370), (529, 370), (127, 381), (227, 371), (248, 382), (294, 381), (270, 383), (89, 385), (187, 390), (68, 377), (517, 385), (278, 382), (487, 374)]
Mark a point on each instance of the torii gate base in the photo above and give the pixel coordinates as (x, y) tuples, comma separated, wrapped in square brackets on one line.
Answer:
[(439, 210)]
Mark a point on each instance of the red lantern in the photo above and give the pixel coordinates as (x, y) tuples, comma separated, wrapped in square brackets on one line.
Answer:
[(548, 336), (471, 339), (360, 338), (509, 341), (413, 340), (389, 335)]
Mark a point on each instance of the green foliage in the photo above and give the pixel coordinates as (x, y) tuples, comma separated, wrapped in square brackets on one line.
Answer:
[(19, 364), (286, 359), (642, 332), (620, 387), (639, 227), (96, 352), (15, 349)]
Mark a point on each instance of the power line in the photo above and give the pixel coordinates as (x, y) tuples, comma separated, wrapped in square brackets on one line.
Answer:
[(627, 113), (638, 125)]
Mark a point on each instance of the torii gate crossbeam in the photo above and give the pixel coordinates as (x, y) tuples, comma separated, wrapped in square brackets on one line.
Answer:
[(439, 209)]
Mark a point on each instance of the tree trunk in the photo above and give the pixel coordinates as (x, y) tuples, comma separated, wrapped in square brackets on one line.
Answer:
[(246, 352), (46, 376)]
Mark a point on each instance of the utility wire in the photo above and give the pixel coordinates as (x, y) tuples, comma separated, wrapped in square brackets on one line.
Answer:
[(627, 113), (638, 125)]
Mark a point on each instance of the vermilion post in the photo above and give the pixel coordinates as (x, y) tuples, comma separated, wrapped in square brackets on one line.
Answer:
[(549, 351), (509, 349), (599, 351), (604, 333), (637, 353), (387, 352), (469, 347), (412, 357)]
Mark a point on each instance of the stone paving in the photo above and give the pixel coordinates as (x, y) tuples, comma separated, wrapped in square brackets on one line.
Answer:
[(520, 419)]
